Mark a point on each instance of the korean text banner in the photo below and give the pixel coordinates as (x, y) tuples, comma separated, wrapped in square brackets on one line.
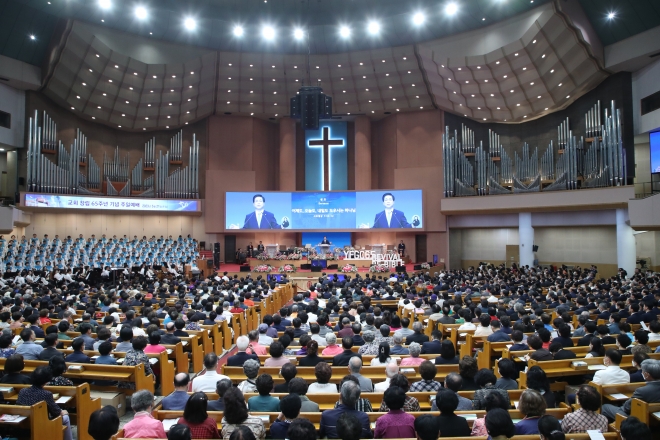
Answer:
[(314, 210), (109, 203)]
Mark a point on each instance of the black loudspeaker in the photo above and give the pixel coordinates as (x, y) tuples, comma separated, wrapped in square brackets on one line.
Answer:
[(245, 268), (417, 267), (333, 266), (202, 245), (400, 269), (316, 268), (21, 180), (216, 247), (209, 264), (535, 248), (215, 261), (305, 266), (230, 248)]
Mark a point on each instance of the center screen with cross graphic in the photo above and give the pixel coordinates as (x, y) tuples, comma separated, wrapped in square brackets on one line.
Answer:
[(325, 211)]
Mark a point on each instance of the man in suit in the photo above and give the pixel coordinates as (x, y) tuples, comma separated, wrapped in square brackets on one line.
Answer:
[(418, 336), (349, 396), (402, 249), (342, 359), (498, 335), (239, 358), (649, 393), (169, 338), (357, 339), (636, 316), (325, 240), (260, 218), (390, 217), (590, 328), (434, 346), (558, 352)]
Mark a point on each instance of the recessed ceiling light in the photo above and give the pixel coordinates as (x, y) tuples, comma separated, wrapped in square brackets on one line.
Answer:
[(568, 96), (492, 94), (268, 32), (373, 27), (497, 62), (485, 80), (524, 68), (552, 71), (119, 126), (459, 68), (531, 84), (190, 23), (505, 76), (539, 97), (98, 56), (109, 80), (484, 119), (90, 70), (104, 94), (511, 90), (171, 90), (543, 56), (147, 117), (168, 117), (32, 37), (560, 84), (516, 54), (126, 102), (483, 19), (105, 4), (546, 108), (123, 114), (611, 15), (345, 32), (473, 96), (498, 108), (238, 31), (534, 42), (478, 108), (141, 12), (148, 105), (99, 107), (451, 8), (518, 105), (418, 18), (298, 34), (84, 84)]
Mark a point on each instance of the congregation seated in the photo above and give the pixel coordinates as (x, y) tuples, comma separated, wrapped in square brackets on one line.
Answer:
[(207, 381), (396, 423), (236, 414), (532, 406), (450, 424), (493, 400), (354, 368), (371, 346), (467, 368), (342, 358), (237, 360), (177, 399), (486, 380), (57, 367), (632, 428), (12, 372), (638, 358), (447, 353), (143, 424), (251, 369), (103, 423), (410, 404), (586, 417), (349, 395), (383, 357), (428, 371), (499, 425), (413, 360), (196, 418), (323, 373), (538, 380), (649, 393), (264, 402), (288, 372), (312, 358)]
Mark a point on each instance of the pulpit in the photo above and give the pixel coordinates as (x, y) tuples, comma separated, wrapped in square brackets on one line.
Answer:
[(378, 249), (271, 250), (324, 248)]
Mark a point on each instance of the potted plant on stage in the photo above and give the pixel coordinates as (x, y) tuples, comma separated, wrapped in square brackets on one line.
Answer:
[(294, 256), (263, 257), (263, 268), (425, 265), (287, 268), (349, 268), (377, 268)]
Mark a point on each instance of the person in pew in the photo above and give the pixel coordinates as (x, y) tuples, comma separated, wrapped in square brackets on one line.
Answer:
[(103, 423), (623, 342), (638, 358), (154, 344), (418, 336), (383, 357), (564, 337), (428, 372), (136, 356), (467, 369), (50, 351), (251, 371), (240, 433), (180, 324), (102, 335), (312, 358), (58, 367), (299, 387), (276, 359), (323, 373), (177, 399), (33, 321), (532, 406), (613, 374), (6, 349), (596, 348), (86, 335), (169, 338), (236, 414), (426, 428), (290, 406), (341, 360), (497, 335), (450, 424), (396, 423), (28, 349), (641, 342), (586, 418), (508, 372), (254, 347), (633, 429), (126, 337), (206, 382), (404, 331), (540, 353), (413, 360), (558, 351), (398, 348), (493, 400), (486, 380), (287, 372), (354, 368), (499, 425), (411, 404), (538, 380), (550, 428), (391, 370), (195, 417), (241, 356), (434, 346), (78, 356), (349, 428), (517, 336), (447, 353), (315, 329), (12, 372), (349, 396), (143, 425), (36, 393), (357, 339), (264, 402), (301, 429), (649, 393), (370, 346), (590, 328), (221, 388)]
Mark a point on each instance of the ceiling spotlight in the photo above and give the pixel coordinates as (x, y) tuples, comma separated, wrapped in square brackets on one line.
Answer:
[(418, 19), (298, 34), (32, 37), (344, 31), (451, 8), (373, 27), (105, 4), (190, 23), (611, 15), (141, 12), (238, 31), (268, 32)]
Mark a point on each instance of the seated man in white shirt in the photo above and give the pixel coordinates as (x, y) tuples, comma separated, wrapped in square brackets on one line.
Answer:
[(206, 383), (391, 370), (612, 374)]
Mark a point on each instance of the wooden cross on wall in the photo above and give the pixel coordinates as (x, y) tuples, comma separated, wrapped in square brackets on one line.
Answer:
[(326, 143)]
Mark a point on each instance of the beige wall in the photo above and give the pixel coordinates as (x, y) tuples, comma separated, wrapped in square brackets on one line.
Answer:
[(648, 246)]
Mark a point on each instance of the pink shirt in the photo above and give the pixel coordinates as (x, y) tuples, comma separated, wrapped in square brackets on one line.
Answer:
[(144, 425), (332, 350), (255, 348), (276, 362), (154, 349), (411, 361)]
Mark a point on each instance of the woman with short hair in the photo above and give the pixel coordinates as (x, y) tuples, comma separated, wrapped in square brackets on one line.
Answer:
[(415, 350), (532, 406), (197, 419), (251, 369), (323, 373), (136, 356), (396, 423), (276, 359)]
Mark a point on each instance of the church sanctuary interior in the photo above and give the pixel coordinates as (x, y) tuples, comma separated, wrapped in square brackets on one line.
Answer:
[(339, 219)]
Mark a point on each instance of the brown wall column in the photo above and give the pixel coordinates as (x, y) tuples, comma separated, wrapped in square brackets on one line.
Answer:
[(362, 153), (287, 172)]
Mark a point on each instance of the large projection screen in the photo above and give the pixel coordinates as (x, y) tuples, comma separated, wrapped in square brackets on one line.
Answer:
[(325, 211)]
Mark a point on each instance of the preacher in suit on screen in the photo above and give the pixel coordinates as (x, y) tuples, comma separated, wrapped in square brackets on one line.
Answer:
[(390, 217), (260, 218)]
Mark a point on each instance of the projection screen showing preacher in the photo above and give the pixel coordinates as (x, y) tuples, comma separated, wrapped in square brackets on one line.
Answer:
[(336, 210)]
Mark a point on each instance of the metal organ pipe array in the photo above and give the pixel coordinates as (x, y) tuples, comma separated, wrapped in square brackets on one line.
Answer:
[(64, 175), (569, 164)]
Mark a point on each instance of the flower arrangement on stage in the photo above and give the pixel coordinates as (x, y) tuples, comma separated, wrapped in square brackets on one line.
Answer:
[(299, 250), (294, 256), (348, 248), (425, 265), (263, 268), (329, 257), (287, 268), (263, 257), (349, 268), (377, 268), (280, 257)]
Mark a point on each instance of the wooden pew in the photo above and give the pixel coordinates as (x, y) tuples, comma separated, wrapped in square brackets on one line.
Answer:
[(37, 421), (607, 390), (216, 336), (81, 401)]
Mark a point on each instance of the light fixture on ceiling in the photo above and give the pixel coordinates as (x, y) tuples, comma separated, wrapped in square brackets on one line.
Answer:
[(373, 27), (451, 8), (298, 34), (190, 23), (344, 31), (268, 32), (611, 15), (418, 18), (238, 31), (141, 12), (105, 4), (33, 37)]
